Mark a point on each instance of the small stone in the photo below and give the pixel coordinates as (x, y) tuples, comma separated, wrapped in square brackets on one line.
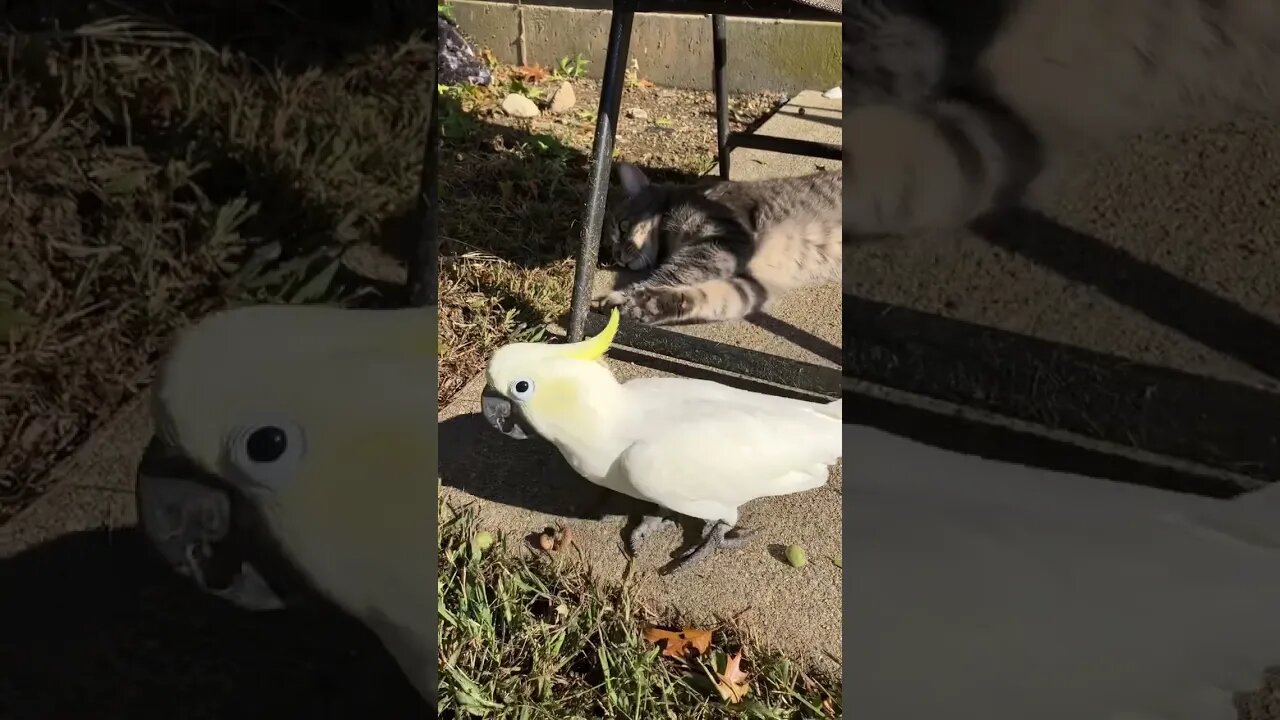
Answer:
[(563, 98), (638, 114), (519, 106)]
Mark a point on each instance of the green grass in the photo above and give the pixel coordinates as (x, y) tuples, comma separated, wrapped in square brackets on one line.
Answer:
[(535, 636)]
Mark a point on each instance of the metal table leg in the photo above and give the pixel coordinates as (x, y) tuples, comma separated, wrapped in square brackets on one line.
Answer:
[(719, 51), (601, 163), (424, 253)]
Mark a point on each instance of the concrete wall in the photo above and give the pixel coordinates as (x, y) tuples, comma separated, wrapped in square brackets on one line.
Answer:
[(671, 50)]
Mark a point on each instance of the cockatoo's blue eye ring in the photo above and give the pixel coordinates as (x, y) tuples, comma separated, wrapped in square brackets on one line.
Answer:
[(266, 444), (522, 389)]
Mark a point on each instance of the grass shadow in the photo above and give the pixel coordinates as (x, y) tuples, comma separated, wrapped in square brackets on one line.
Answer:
[(291, 35), (96, 629)]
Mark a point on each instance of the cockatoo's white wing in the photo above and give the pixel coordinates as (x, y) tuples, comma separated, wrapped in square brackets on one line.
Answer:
[(707, 452), (1003, 592)]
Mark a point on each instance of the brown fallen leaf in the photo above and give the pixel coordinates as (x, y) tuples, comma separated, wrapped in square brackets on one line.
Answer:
[(698, 639), (644, 83), (828, 707), (532, 73), (677, 644), (732, 683)]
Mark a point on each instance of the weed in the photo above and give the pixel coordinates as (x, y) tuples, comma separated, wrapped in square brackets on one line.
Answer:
[(569, 68)]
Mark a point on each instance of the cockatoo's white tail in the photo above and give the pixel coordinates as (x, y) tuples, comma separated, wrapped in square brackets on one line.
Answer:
[(997, 591)]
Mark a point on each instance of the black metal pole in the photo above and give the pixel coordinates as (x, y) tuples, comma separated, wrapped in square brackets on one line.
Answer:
[(601, 163), (424, 255), (719, 50)]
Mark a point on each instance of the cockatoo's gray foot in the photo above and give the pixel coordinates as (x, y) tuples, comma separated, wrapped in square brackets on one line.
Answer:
[(713, 538), (647, 526)]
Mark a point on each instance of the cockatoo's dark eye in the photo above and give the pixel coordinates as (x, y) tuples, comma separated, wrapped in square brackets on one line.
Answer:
[(266, 444), (267, 451), (522, 389)]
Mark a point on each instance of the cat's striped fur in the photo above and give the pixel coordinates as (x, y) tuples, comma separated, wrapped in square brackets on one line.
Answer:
[(954, 108), (722, 250)]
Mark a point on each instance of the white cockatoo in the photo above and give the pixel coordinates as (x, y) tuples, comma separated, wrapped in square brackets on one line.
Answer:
[(984, 589), (693, 447), (295, 449)]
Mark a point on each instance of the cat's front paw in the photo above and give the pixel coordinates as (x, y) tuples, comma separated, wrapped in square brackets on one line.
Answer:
[(655, 306), (605, 303)]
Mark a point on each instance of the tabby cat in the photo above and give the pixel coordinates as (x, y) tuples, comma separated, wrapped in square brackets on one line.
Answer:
[(954, 109), (722, 250)]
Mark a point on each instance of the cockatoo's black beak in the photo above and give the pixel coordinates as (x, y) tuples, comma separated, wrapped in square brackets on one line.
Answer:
[(192, 521), (502, 414)]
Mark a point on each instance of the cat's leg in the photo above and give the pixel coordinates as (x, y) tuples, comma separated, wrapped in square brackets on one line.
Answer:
[(914, 170), (667, 296), (717, 300)]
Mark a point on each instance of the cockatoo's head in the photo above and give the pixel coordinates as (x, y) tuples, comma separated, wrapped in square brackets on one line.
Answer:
[(294, 451), (547, 388)]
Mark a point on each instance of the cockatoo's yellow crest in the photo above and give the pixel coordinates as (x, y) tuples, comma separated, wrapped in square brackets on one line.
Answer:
[(594, 348)]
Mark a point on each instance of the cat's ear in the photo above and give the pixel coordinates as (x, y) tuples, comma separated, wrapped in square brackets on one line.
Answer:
[(632, 179)]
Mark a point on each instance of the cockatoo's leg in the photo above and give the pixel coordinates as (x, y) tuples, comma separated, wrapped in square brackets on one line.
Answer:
[(647, 526), (713, 538)]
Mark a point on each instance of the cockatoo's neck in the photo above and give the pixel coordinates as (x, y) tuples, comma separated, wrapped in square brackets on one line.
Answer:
[(594, 411)]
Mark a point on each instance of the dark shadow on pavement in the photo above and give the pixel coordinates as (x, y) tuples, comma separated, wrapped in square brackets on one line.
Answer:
[(93, 628), (529, 474), (798, 337), (1214, 321)]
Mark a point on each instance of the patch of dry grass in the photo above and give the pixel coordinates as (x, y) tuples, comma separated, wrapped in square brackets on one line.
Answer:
[(149, 179)]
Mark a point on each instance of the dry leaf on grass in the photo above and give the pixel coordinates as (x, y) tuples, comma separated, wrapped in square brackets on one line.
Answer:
[(732, 683), (677, 644), (828, 707), (531, 73)]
